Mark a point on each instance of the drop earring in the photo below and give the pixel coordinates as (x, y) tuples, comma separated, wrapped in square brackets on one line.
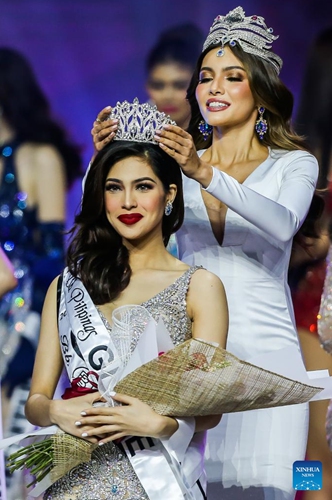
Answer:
[(205, 129), (168, 208), (261, 126)]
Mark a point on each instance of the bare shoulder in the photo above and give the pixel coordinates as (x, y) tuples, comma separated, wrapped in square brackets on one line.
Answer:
[(203, 280), (38, 151), (46, 154), (40, 158), (207, 307), (206, 291), (52, 289)]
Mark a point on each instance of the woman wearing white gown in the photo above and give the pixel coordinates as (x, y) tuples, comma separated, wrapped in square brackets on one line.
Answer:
[(247, 194)]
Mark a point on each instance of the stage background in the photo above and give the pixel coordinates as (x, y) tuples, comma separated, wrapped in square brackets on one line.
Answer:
[(88, 54)]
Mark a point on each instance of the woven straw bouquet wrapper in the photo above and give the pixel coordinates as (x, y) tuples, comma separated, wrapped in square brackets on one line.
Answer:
[(196, 378), (69, 451)]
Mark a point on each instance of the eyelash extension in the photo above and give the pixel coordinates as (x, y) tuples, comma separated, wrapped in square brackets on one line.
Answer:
[(204, 80), (144, 185), (109, 187)]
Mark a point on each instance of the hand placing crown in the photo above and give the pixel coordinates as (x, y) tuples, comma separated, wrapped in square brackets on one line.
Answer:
[(137, 121)]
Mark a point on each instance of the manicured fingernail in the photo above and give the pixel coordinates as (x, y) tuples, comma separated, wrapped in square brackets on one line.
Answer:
[(78, 423), (101, 443), (112, 393), (158, 131), (84, 435), (83, 413), (157, 138)]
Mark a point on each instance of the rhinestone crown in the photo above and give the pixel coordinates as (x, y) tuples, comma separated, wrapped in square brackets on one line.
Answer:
[(251, 33), (138, 122)]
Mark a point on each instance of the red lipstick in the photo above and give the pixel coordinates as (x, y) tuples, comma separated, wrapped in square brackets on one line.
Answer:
[(130, 219)]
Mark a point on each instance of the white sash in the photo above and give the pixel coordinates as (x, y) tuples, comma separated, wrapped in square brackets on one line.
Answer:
[(84, 341)]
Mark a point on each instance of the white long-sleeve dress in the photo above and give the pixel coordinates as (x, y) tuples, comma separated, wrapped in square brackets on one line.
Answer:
[(254, 449)]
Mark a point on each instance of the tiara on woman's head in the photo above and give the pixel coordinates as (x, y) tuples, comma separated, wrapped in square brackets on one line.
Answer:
[(251, 33), (138, 122)]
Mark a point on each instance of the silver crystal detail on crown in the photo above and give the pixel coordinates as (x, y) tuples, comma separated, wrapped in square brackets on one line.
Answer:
[(138, 122), (251, 33)]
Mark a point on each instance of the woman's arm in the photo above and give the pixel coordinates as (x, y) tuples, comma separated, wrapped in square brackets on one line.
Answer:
[(50, 182), (280, 218), (48, 364), (40, 408), (7, 278), (207, 305)]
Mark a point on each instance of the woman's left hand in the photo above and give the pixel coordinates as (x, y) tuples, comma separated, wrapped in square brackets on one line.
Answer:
[(133, 418), (179, 145)]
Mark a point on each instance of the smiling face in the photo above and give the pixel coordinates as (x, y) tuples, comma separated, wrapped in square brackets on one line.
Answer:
[(135, 199), (223, 92), (167, 86)]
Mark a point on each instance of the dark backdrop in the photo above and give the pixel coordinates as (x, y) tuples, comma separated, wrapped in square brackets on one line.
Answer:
[(88, 54)]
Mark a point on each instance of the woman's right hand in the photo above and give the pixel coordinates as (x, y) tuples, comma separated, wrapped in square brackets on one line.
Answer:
[(104, 129), (66, 414)]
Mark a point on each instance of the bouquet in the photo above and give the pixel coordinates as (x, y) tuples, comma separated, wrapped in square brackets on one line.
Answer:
[(197, 378), (53, 456), (192, 379)]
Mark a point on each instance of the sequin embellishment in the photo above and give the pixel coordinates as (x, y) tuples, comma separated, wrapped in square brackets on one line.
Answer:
[(109, 475)]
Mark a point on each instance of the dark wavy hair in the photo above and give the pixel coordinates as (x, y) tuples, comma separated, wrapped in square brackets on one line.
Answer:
[(268, 91), (27, 111), (96, 253)]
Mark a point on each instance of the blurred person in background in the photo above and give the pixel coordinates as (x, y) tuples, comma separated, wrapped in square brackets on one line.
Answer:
[(308, 269), (169, 66), (38, 163)]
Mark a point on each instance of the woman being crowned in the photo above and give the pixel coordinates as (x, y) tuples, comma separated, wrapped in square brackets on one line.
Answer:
[(147, 440), (132, 203)]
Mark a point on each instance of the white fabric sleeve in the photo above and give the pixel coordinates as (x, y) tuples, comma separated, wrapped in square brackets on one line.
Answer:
[(178, 443), (282, 218)]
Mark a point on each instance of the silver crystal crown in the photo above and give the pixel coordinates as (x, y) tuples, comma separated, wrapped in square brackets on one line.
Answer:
[(251, 33), (138, 122)]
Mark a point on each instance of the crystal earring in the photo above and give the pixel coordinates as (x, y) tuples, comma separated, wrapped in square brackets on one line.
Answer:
[(168, 208), (261, 124), (205, 129)]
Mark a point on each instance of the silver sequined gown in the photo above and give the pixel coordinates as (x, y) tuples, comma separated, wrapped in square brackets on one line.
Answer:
[(324, 329), (109, 475)]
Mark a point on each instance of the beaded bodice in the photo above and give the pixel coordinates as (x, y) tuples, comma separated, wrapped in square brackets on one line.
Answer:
[(171, 306)]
